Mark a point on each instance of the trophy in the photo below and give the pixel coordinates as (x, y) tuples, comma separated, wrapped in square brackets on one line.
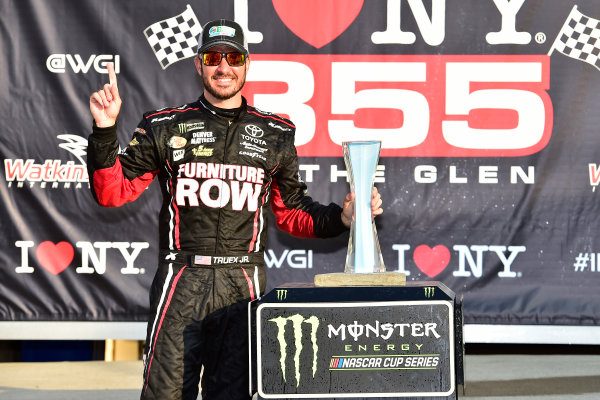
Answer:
[(364, 254), (364, 262)]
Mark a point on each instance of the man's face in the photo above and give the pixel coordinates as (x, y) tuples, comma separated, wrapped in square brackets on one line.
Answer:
[(222, 81)]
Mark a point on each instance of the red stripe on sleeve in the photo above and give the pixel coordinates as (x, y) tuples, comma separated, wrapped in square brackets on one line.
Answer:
[(113, 189), (176, 217), (272, 117), (170, 111), (294, 221)]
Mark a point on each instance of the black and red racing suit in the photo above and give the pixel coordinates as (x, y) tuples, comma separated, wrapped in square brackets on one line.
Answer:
[(219, 171)]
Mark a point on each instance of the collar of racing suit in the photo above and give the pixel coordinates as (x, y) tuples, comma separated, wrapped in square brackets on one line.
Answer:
[(229, 113)]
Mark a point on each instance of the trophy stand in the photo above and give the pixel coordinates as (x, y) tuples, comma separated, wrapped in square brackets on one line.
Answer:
[(361, 333), (364, 263)]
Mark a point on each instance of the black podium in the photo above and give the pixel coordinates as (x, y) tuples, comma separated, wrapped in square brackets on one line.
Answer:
[(310, 342)]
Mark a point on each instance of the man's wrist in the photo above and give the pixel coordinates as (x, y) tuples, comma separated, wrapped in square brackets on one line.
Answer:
[(107, 133), (105, 124)]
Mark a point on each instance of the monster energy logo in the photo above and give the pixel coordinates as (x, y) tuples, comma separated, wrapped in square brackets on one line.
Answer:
[(281, 294), (429, 291), (182, 128), (297, 320)]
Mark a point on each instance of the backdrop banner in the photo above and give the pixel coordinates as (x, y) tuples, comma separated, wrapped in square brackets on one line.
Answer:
[(486, 110)]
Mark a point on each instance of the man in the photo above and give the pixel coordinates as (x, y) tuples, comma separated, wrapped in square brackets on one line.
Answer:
[(220, 164)]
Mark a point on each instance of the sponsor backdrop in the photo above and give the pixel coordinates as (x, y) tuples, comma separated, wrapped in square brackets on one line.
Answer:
[(487, 111)]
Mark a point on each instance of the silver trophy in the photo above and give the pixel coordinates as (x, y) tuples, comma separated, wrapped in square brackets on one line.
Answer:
[(364, 254)]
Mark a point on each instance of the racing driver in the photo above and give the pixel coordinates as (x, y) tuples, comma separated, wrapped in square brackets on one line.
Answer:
[(221, 164)]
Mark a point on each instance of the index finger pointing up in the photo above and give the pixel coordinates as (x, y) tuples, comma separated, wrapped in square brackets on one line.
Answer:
[(112, 77)]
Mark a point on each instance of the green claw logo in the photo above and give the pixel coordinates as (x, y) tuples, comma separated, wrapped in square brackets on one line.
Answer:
[(429, 291), (297, 320), (281, 294)]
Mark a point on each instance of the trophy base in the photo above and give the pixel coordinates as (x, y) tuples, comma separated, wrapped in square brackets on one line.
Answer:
[(370, 279)]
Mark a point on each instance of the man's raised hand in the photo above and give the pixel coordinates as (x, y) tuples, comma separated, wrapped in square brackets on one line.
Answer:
[(106, 103)]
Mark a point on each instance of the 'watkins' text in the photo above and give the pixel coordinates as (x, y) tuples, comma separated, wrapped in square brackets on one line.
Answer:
[(52, 171)]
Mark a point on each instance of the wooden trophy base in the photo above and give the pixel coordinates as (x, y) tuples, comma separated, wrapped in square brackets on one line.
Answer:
[(371, 279)]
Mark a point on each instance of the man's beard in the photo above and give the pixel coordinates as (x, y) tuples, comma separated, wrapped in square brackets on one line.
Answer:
[(206, 81)]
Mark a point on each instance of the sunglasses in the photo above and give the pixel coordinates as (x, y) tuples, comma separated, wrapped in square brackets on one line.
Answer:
[(213, 58)]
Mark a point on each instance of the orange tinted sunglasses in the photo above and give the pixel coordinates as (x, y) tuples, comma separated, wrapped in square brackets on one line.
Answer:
[(213, 58)]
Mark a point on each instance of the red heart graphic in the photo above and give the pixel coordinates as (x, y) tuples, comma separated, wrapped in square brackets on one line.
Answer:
[(431, 261), (318, 22), (55, 258)]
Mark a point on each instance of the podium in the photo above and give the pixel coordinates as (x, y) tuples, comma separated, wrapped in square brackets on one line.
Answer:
[(309, 342)]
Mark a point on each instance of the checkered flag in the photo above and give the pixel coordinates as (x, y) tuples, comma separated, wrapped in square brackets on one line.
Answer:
[(579, 38), (174, 39)]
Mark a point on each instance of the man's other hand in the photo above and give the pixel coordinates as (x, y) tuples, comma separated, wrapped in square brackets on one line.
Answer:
[(348, 207)]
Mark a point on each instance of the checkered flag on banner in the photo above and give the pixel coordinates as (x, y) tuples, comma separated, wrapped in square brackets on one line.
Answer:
[(579, 38), (174, 39)]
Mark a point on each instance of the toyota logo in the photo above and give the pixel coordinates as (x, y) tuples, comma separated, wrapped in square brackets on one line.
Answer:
[(254, 131)]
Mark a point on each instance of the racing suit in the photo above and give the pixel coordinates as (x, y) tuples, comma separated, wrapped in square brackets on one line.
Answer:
[(219, 170)]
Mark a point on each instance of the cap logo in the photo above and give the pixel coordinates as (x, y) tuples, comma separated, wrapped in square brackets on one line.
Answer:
[(221, 31)]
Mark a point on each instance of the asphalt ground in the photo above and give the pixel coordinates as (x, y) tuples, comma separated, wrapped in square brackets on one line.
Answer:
[(488, 377)]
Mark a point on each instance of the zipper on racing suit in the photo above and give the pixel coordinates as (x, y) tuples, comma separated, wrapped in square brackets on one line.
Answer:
[(218, 233)]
